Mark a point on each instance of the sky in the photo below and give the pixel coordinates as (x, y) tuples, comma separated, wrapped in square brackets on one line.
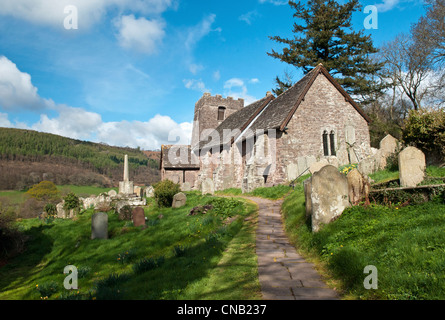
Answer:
[(129, 72)]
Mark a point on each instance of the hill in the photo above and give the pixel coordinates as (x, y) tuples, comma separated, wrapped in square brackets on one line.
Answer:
[(28, 157)]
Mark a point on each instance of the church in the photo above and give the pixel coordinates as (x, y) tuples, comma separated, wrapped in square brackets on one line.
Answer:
[(271, 141)]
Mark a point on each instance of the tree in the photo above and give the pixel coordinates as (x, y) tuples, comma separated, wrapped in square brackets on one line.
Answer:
[(326, 37), (408, 66)]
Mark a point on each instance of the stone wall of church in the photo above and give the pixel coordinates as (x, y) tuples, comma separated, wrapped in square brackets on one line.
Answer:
[(323, 109)]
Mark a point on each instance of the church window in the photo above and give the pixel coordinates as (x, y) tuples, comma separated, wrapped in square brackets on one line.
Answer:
[(221, 113), (332, 141), (325, 144)]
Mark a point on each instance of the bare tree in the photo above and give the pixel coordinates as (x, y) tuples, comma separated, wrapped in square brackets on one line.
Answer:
[(408, 66)]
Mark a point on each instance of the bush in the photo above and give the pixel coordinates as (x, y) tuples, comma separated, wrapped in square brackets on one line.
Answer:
[(164, 192), (11, 240), (125, 213), (31, 208), (71, 201), (45, 191), (425, 129)]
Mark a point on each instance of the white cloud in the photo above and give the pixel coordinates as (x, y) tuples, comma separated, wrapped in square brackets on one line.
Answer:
[(197, 85), (254, 81), (236, 88), (140, 34), (71, 122), (275, 2), (16, 89), (4, 121), (249, 16), (149, 135), (51, 12)]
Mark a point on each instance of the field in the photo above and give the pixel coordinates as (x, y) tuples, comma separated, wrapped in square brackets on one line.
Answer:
[(177, 256)]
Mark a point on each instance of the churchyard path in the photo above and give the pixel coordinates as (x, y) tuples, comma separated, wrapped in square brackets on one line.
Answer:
[(283, 273)]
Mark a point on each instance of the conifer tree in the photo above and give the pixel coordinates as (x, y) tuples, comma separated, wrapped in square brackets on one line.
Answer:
[(323, 34)]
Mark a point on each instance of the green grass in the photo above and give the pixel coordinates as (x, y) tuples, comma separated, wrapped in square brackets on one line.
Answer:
[(273, 193), (200, 257), (406, 244), (84, 191), (384, 176)]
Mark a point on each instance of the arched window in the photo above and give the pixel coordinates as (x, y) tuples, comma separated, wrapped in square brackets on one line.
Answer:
[(325, 144), (332, 141), (221, 113)]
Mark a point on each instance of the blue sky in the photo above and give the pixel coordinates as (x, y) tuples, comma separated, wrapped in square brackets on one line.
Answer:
[(131, 72)]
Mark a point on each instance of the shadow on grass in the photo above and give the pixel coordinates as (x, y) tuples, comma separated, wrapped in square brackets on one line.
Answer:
[(26, 264)]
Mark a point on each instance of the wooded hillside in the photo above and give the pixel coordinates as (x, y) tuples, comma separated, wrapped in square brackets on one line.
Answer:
[(28, 157)]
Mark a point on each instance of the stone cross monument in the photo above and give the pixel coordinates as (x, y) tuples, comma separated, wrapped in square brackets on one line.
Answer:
[(126, 186)]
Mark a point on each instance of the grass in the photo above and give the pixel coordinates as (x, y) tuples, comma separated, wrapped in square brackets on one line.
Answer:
[(406, 244), (272, 193), (217, 259)]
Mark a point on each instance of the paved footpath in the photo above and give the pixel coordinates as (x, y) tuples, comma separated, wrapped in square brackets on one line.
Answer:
[(283, 273)]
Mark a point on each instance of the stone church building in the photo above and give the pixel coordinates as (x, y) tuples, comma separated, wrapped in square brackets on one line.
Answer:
[(271, 141)]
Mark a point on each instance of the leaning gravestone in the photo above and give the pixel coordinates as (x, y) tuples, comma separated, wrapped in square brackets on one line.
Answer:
[(179, 200), (329, 196), (138, 217), (317, 166), (99, 226), (358, 187), (411, 167)]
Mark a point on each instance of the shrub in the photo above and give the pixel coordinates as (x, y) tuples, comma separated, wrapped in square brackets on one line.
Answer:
[(71, 201), (226, 206), (31, 208), (125, 213), (44, 191), (47, 289), (11, 240), (164, 192), (425, 129)]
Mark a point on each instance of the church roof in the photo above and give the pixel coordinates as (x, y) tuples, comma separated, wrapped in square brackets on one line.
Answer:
[(280, 111), (236, 123), (178, 157), (275, 113)]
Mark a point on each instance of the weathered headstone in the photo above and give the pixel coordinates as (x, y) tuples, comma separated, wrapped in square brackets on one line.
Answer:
[(99, 226), (329, 196), (307, 184), (138, 217), (149, 192), (368, 165), (61, 213), (186, 186), (112, 193), (138, 191), (207, 186), (411, 167), (318, 165), (389, 145), (358, 187), (179, 200)]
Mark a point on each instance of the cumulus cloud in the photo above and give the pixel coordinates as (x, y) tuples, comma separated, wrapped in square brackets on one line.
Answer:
[(16, 89), (237, 88), (51, 12), (140, 34)]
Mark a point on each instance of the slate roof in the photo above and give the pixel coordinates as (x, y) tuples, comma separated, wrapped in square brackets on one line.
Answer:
[(238, 120), (280, 111), (172, 160)]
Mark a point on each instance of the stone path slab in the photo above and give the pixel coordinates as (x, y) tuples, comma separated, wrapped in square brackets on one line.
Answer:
[(283, 273)]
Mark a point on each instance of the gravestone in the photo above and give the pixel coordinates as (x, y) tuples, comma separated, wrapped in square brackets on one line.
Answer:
[(112, 193), (186, 186), (179, 200), (316, 166), (389, 145), (138, 217), (99, 226), (411, 167), (359, 187), (368, 165), (307, 194), (329, 196), (61, 213), (207, 186), (138, 191), (150, 192)]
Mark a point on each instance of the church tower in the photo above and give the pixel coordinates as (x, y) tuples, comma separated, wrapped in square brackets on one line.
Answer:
[(210, 112)]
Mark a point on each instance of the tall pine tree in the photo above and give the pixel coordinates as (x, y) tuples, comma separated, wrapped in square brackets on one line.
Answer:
[(323, 34)]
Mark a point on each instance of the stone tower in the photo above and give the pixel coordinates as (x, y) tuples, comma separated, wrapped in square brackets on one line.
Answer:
[(211, 111)]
